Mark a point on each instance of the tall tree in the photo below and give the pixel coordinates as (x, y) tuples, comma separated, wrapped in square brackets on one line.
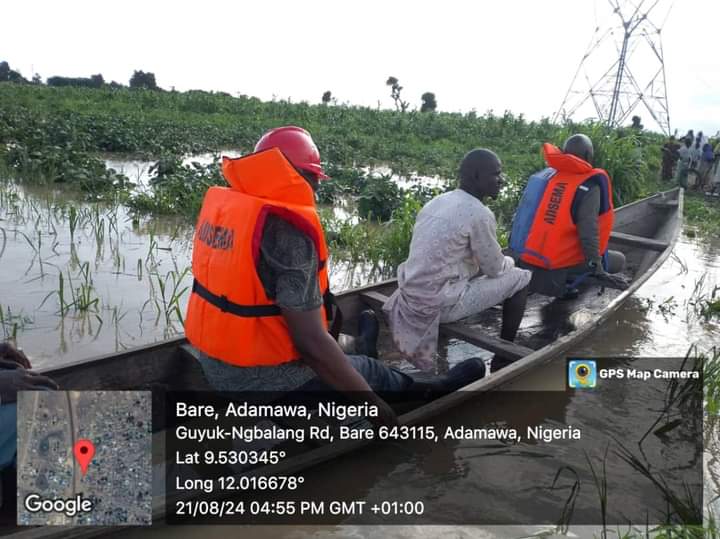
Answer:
[(96, 81), (326, 97), (9, 75), (637, 123), (429, 104), (140, 79), (395, 90)]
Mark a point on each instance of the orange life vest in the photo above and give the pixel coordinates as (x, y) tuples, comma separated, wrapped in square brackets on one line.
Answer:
[(553, 241), (229, 315)]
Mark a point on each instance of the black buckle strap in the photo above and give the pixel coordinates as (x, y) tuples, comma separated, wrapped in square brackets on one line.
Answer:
[(227, 306)]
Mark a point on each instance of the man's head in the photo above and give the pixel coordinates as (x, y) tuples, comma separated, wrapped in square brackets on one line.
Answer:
[(580, 146), (481, 173), (299, 148)]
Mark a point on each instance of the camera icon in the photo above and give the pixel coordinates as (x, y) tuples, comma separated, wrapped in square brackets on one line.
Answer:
[(582, 373)]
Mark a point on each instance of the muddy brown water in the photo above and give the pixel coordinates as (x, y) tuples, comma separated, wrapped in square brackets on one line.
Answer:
[(134, 264)]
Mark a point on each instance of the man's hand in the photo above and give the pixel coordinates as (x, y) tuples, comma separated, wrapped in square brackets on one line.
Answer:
[(17, 378), (9, 352), (609, 280)]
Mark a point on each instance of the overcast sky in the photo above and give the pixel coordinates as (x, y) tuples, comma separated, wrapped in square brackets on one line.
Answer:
[(514, 55)]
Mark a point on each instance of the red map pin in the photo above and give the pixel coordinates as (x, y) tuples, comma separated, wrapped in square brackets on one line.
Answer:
[(84, 451)]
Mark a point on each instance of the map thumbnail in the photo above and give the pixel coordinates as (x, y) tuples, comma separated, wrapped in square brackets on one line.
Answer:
[(84, 458)]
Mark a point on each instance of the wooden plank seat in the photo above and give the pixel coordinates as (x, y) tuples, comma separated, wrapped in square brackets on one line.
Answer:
[(667, 204), (506, 349), (638, 241)]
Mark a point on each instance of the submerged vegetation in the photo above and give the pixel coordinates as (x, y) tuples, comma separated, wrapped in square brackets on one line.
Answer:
[(679, 418), (58, 134), (702, 213)]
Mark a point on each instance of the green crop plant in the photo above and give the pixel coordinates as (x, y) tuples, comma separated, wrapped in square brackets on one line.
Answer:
[(171, 292), (11, 323), (703, 214), (4, 241), (379, 197), (705, 303), (55, 134), (82, 298), (87, 120), (711, 380)]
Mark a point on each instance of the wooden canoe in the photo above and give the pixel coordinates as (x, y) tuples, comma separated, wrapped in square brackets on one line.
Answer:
[(645, 231)]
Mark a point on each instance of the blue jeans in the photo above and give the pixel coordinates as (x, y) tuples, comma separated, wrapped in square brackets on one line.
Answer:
[(296, 375), (378, 376), (8, 434)]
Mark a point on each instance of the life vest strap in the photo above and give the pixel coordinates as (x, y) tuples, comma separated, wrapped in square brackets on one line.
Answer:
[(227, 306)]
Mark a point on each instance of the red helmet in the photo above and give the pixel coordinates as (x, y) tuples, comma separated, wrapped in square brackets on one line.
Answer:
[(297, 145)]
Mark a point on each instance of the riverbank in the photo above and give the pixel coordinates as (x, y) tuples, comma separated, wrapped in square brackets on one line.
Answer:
[(379, 160)]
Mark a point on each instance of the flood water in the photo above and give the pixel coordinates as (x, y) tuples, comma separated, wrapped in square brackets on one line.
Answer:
[(125, 283), (80, 280), (660, 321), (132, 275)]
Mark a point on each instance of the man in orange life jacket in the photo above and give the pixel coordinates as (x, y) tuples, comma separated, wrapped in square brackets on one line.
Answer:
[(563, 223), (259, 262)]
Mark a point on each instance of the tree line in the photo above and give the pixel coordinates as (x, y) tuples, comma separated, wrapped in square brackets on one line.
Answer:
[(146, 79), (139, 79)]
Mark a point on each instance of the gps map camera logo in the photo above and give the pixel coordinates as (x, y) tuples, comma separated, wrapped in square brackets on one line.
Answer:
[(582, 373)]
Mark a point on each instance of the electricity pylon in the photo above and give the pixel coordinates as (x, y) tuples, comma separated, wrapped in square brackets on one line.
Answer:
[(635, 78)]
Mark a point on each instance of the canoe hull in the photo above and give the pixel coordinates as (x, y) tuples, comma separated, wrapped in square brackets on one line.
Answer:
[(646, 232)]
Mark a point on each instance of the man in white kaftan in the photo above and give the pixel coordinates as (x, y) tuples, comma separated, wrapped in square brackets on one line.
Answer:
[(455, 267)]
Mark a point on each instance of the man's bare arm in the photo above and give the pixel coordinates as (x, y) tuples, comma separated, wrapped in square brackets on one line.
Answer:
[(326, 358), (321, 352)]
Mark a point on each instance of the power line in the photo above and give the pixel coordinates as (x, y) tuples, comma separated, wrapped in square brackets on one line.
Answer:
[(616, 89)]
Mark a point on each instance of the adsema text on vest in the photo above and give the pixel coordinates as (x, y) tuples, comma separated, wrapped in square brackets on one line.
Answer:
[(554, 203)]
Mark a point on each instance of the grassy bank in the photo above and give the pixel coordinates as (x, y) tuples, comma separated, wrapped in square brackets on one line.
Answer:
[(703, 213), (50, 134), (41, 118)]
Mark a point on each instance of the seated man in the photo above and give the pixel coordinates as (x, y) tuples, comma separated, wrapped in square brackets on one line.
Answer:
[(563, 223), (259, 306), (455, 267)]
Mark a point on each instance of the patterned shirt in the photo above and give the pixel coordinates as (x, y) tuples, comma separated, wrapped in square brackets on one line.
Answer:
[(454, 240), (288, 271)]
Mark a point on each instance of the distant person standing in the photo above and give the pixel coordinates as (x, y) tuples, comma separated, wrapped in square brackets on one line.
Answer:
[(695, 159), (684, 161), (715, 175), (670, 157), (705, 165)]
